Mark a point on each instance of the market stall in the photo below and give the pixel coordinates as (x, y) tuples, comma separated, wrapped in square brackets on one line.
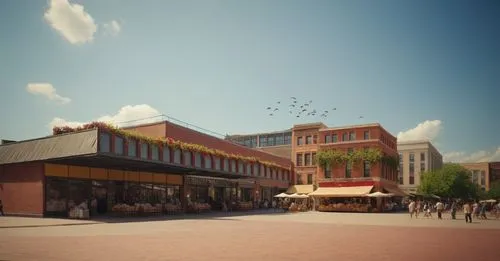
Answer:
[(344, 199)]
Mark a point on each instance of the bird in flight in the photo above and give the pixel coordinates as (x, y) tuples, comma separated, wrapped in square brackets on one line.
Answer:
[(293, 98), (278, 102), (270, 114), (268, 108), (276, 109), (361, 117), (334, 109)]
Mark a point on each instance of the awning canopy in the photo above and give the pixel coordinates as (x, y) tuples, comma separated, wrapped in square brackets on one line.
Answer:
[(300, 189), (340, 192), (396, 191)]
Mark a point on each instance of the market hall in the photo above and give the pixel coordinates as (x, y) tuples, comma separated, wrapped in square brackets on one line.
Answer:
[(101, 170)]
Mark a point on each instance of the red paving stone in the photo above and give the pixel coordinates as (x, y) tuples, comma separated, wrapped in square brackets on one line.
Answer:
[(260, 240)]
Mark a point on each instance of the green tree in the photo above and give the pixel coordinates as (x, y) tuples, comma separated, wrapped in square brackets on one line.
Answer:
[(494, 191), (452, 180)]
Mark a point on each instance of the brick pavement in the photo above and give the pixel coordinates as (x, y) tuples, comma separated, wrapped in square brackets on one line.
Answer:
[(310, 236)]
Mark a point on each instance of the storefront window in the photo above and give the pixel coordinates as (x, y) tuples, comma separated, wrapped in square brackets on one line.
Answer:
[(173, 194), (104, 142), (56, 196), (79, 194), (155, 152), (208, 162), (246, 194), (132, 148), (99, 201), (118, 145), (199, 194), (177, 156), (159, 195), (144, 151), (166, 154)]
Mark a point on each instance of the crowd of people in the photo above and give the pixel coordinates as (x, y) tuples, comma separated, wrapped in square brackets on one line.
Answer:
[(470, 209)]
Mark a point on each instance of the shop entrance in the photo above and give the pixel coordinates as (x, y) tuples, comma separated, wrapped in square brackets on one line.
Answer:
[(99, 202)]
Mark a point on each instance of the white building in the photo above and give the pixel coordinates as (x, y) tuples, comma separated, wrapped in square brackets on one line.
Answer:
[(416, 157)]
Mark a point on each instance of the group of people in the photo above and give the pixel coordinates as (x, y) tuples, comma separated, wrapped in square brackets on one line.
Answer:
[(470, 209)]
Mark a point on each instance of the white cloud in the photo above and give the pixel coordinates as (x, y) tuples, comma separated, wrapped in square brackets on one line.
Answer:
[(127, 115), (478, 156), (112, 28), (47, 90), (71, 21), (427, 130)]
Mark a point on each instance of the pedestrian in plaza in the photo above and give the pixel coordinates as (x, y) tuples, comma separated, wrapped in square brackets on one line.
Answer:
[(467, 212), (483, 211), (418, 207), (454, 210), (439, 209), (411, 208)]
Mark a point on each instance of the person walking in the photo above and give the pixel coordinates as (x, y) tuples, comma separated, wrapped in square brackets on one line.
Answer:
[(467, 212), (454, 210), (483, 211), (411, 208), (439, 209)]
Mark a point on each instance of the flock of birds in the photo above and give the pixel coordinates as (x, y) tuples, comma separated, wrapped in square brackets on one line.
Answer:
[(298, 110)]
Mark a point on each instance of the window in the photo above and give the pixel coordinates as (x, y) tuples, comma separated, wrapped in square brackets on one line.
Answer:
[(412, 173), (309, 178), (366, 169), (348, 169), (270, 141), (241, 169), (483, 178), (422, 167), (197, 159), (155, 152), (400, 158), (216, 163), (104, 142), (262, 172), (268, 172), (308, 139), (187, 158), (248, 169), (335, 138), (288, 139), (307, 160), (256, 169), (280, 139), (177, 156), (328, 172), (352, 135), (299, 159), (144, 151), (315, 139), (226, 165), (366, 135), (422, 156), (207, 163), (263, 141), (233, 166), (412, 157), (166, 154), (313, 158), (328, 139), (132, 148), (118, 145), (344, 137), (300, 141)]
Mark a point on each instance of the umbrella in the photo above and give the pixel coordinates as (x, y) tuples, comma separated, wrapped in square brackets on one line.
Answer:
[(380, 195), (488, 201), (295, 195), (281, 195)]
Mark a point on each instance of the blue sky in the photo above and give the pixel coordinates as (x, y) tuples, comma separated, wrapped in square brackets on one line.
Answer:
[(219, 64)]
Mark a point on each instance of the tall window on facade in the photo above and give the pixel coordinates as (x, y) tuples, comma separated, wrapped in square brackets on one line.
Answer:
[(233, 166), (197, 159), (280, 139), (422, 167), (256, 169), (345, 137), (412, 157), (166, 154), (308, 139), (270, 141), (132, 148), (348, 170), (248, 169), (118, 145), (300, 141), (335, 138), (412, 173), (216, 163), (144, 151), (187, 158), (366, 169), (483, 178), (104, 142), (288, 139), (315, 139), (262, 141), (328, 172), (352, 135), (207, 163), (313, 158), (225, 165), (309, 179), (366, 135), (299, 159), (328, 138), (240, 167), (422, 156), (177, 156), (307, 159), (155, 152)]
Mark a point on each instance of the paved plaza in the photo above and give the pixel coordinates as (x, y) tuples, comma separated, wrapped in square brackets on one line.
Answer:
[(268, 236)]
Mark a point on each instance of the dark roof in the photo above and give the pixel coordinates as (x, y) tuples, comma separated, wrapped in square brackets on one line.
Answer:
[(51, 147)]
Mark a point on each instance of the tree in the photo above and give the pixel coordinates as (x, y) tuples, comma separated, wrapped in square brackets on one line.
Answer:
[(452, 180), (494, 191)]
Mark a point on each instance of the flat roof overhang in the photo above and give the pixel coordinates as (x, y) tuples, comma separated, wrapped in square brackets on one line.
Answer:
[(100, 160)]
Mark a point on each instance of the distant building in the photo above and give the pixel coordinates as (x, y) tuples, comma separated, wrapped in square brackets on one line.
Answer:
[(415, 158), (278, 143), (494, 171), (480, 174)]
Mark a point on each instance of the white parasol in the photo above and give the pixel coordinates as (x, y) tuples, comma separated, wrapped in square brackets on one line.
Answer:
[(281, 195), (380, 195)]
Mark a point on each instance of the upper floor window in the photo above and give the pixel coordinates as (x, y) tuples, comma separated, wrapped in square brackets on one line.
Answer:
[(248, 169), (144, 150), (177, 156), (155, 152), (197, 159), (328, 139), (307, 160), (344, 137), (226, 165), (309, 179), (335, 138), (348, 170), (352, 135), (256, 169), (279, 140), (270, 141), (300, 141), (119, 145), (313, 158), (187, 158), (366, 169), (299, 159), (262, 141), (315, 139), (207, 163), (166, 154), (240, 167), (366, 135), (422, 156), (412, 157), (400, 158), (216, 162), (262, 171), (422, 167), (104, 142), (288, 139), (328, 172), (308, 139), (132, 148), (268, 172), (233, 166)]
